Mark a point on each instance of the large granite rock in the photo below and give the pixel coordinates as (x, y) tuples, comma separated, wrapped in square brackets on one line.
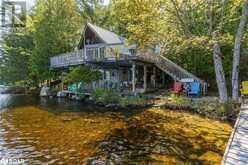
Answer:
[(45, 91)]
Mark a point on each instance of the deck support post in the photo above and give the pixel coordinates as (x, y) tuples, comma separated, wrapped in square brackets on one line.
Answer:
[(154, 77), (62, 81), (145, 78), (118, 80), (163, 79), (133, 79)]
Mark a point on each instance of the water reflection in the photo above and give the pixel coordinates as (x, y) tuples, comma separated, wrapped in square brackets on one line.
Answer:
[(10, 101), (50, 131)]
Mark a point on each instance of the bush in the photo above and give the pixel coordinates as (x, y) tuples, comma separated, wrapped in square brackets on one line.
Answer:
[(179, 100), (133, 100), (82, 74), (106, 95)]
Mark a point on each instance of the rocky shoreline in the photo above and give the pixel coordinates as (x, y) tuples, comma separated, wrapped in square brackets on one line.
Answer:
[(210, 109), (117, 107), (13, 90)]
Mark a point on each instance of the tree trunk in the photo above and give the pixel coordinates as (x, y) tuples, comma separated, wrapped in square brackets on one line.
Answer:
[(236, 53), (220, 75)]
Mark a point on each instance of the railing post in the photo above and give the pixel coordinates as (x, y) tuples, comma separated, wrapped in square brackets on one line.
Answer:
[(98, 53), (145, 78), (154, 77), (133, 79)]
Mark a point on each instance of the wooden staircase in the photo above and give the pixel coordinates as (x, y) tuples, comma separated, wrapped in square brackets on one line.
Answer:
[(172, 69)]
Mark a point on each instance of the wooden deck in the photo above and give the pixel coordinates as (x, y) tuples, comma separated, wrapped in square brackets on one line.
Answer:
[(95, 56), (237, 148)]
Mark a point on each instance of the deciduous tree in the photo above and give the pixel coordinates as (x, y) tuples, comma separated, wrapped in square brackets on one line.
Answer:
[(57, 29), (236, 53)]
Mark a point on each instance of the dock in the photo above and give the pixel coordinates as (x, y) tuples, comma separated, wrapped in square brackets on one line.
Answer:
[(236, 152)]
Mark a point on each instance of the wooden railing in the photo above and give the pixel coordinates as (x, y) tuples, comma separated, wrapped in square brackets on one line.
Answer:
[(92, 54), (77, 57), (67, 59)]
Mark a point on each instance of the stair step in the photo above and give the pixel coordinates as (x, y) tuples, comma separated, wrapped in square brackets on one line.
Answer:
[(170, 68)]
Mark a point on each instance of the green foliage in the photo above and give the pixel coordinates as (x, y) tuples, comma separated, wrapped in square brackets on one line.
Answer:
[(56, 30), (82, 74), (179, 100), (110, 96), (14, 62), (94, 12), (138, 20), (54, 27), (106, 95), (184, 30), (133, 100)]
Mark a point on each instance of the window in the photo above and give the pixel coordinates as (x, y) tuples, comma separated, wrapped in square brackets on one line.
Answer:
[(132, 51)]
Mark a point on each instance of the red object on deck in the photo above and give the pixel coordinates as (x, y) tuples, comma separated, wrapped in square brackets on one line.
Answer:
[(177, 87)]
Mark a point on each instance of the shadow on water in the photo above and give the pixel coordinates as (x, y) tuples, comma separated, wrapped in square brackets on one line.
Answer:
[(56, 105), (158, 138), (11, 101)]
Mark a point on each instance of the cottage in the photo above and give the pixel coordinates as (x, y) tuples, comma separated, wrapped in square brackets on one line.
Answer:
[(123, 66)]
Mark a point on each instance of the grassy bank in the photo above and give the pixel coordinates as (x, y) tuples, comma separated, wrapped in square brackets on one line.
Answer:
[(206, 106)]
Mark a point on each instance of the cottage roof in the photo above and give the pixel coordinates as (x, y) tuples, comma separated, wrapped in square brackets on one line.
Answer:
[(107, 36)]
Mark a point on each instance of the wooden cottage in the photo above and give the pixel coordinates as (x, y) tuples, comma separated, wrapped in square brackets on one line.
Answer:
[(123, 67)]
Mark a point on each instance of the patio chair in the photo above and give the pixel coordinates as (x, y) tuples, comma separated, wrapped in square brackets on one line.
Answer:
[(177, 88), (244, 88), (194, 89)]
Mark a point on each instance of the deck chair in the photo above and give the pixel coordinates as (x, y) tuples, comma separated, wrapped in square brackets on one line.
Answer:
[(177, 88), (244, 89), (194, 89), (72, 87)]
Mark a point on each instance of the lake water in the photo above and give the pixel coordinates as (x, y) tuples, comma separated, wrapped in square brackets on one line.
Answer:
[(56, 131)]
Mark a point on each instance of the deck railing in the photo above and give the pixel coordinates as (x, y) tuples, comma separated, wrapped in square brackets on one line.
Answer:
[(92, 54), (67, 59)]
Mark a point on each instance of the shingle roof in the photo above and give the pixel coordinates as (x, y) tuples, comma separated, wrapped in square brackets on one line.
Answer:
[(107, 36)]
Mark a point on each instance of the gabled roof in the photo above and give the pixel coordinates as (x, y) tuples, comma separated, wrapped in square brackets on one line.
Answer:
[(107, 36)]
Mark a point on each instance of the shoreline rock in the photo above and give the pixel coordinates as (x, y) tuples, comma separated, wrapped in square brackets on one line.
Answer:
[(13, 90)]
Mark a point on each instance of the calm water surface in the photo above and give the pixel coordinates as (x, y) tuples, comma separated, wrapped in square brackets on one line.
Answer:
[(57, 131)]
